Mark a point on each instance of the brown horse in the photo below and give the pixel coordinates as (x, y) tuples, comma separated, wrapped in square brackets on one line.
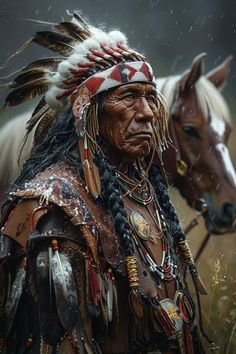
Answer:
[(198, 161)]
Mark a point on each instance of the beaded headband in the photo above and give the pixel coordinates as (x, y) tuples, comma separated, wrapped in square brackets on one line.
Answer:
[(117, 75)]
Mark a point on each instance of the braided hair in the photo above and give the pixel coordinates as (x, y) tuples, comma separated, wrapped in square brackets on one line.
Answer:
[(59, 144), (172, 221), (112, 201)]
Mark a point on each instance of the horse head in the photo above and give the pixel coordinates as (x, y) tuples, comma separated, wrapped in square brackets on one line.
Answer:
[(199, 160)]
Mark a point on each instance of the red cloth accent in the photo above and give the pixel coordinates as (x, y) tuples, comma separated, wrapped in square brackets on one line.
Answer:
[(183, 312), (187, 340), (144, 69), (116, 74), (93, 282), (132, 70), (94, 83), (79, 71)]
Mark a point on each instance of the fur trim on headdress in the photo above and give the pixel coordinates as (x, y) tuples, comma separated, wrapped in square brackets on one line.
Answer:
[(51, 98)]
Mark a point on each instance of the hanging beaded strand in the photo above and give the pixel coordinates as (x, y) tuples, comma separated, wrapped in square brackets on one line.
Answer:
[(136, 198)]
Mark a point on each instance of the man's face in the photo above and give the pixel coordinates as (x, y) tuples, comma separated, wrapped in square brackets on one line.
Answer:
[(126, 119)]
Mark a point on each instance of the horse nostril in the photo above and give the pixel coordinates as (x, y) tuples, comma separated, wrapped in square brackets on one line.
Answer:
[(229, 212)]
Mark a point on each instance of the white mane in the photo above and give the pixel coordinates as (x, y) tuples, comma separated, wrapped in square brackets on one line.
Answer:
[(11, 138), (167, 86), (208, 96)]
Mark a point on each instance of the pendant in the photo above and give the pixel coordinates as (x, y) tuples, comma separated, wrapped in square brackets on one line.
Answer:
[(171, 310), (140, 225)]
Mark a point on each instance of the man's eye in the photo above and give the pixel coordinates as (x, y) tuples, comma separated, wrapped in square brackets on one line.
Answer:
[(130, 96), (151, 98)]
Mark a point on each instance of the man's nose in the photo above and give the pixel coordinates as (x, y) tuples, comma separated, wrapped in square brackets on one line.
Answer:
[(143, 110)]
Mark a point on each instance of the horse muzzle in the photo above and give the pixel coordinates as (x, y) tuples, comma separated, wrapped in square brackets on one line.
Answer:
[(221, 221)]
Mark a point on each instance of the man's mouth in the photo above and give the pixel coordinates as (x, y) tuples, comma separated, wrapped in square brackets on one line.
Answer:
[(142, 134)]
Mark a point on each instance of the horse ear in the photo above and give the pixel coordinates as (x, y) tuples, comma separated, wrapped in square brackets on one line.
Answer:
[(218, 76), (193, 74)]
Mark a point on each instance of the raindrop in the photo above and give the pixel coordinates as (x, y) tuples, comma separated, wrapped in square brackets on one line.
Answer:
[(223, 288), (153, 3), (217, 60), (203, 21), (210, 37), (199, 178), (177, 59), (190, 28), (210, 150)]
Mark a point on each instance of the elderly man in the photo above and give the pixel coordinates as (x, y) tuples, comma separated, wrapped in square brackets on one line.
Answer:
[(91, 247)]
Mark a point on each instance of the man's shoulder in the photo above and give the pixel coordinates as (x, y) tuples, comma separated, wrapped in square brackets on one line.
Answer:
[(58, 185)]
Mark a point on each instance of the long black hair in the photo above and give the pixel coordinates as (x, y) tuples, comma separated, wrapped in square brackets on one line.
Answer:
[(54, 146)]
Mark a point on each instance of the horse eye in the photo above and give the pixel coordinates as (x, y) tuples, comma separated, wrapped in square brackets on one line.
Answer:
[(191, 131)]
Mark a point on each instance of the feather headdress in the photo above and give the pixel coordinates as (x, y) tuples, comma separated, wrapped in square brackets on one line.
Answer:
[(84, 51), (88, 62)]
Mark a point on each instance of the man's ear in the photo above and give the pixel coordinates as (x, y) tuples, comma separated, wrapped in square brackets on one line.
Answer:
[(219, 75)]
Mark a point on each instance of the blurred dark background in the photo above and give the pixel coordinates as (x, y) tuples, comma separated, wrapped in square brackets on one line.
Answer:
[(171, 33)]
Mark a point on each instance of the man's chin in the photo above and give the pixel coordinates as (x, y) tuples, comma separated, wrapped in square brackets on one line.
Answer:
[(135, 153)]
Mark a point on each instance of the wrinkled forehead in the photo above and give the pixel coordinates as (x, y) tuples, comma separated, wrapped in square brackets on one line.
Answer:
[(138, 88)]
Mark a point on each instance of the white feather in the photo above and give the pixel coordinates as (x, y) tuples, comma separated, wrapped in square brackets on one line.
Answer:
[(75, 59), (51, 99), (117, 36), (83, 48), (64, 67), (57, 79)]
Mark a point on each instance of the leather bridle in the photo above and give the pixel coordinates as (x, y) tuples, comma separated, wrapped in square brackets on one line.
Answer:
[(199, 205)]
